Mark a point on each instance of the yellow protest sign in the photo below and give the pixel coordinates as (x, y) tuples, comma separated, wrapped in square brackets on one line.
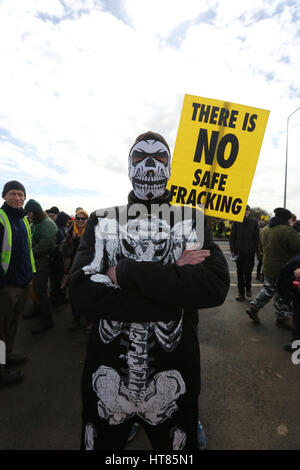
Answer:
[(215, 155)]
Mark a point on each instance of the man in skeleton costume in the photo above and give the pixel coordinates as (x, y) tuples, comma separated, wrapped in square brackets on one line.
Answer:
[(137, 276)]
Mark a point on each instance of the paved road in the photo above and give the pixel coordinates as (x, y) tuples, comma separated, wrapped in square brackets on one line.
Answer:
[(250, 388)]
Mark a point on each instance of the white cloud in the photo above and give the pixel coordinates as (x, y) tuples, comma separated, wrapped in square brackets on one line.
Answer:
[(78, 84)]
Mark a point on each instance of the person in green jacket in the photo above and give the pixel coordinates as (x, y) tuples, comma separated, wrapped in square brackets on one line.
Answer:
[(43, 244), (279, 242)]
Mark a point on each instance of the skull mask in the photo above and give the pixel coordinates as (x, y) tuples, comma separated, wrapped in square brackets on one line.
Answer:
[(149, 168)]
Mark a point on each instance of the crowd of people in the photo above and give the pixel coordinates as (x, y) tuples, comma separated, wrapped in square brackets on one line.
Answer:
[(137, 297), (277, 246), (37, 252)]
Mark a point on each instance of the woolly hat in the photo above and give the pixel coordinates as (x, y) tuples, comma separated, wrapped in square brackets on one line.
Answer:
[(62, 218), (53, 210), (150, 135), (33, 206), (13, 185), (283, 213)]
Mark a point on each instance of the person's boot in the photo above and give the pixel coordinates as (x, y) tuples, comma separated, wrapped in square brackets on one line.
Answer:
[(252, 312), (241, 296), (248, 292), (9, 378), (44, 325)]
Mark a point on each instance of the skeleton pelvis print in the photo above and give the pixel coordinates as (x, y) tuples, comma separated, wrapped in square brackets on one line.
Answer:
[(118, 402)]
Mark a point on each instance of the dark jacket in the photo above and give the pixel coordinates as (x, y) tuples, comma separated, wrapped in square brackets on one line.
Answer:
[(69, 247), (143, 341), (43, 241), (244, 236), (286, 278), (20, 268), (61, 221)]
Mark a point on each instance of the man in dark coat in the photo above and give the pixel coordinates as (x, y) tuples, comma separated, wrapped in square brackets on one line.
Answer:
[(243, 242), (139, 275)]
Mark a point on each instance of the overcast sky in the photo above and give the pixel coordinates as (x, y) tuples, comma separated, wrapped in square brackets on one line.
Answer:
[(80, 79)]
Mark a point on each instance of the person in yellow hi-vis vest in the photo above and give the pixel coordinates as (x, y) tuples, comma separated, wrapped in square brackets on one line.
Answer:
[(16, 272)]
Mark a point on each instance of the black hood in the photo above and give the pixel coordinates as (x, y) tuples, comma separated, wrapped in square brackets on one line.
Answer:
[(62, 219)]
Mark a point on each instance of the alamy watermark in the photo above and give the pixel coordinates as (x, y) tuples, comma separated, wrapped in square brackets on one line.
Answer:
[(157, 222), (296, 354)]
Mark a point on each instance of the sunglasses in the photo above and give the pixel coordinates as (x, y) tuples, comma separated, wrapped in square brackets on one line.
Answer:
[(80, 218)]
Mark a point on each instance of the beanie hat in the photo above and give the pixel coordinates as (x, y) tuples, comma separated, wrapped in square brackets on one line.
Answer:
[(62, 219), (33, 206), (53, 210), (13, 185), (283, 213)]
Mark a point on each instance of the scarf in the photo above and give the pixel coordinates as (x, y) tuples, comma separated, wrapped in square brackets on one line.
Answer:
[(277, 221), (76, 229)]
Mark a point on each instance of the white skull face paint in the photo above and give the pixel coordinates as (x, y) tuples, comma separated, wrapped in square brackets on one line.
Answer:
[(149, 168)]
